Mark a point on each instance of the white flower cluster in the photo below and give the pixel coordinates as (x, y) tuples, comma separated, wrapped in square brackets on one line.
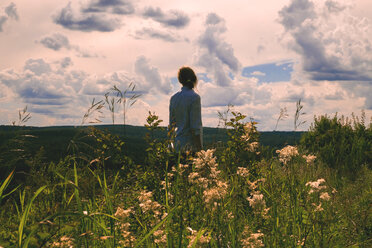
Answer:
[(317, 187), (243, 172), (247, 137), (257, 201), (286, 154), (124, 225), (206, 175), (148, 205), (201, 242), (309, 158), (251, 240), (64, 242)]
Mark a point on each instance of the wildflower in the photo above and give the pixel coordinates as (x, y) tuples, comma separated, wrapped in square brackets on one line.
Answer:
[(147, 205), (215, 193), (128, 240), (183, 167), (252, 147), (105, 237), (206, 176), (309, 158), (243, 172), (253, 240), (253, 185), (203, 239), (301, 242), (160, 237), (170, 175), (325, 196), (164, 215), (318, 208), (121, 213), (163, 184), (64, 242), (286, 154), (89, 233), (316, 185), (230, 215), (256, 200), (192, 176)]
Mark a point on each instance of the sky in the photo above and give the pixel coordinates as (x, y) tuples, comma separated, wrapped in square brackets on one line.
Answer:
[(261, 56)]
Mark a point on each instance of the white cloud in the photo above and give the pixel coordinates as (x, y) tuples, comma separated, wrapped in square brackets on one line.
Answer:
[(10, 12), (258, 73), (172, 18), (86, 22), (120, 7), (332, 44), (58, 41), (151, 76), (151, 33), (214, 54), (55, 41)]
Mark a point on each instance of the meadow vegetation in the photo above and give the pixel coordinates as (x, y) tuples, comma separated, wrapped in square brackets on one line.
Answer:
[(236, 193)]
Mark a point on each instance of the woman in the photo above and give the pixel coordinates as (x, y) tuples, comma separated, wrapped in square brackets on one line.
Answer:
[(185, 113)]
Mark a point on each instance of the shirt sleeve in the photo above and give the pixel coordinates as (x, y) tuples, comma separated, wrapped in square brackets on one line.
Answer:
[(171, 115), (195, 116)]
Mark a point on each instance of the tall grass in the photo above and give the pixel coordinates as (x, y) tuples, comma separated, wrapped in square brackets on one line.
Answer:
[(231, 196)]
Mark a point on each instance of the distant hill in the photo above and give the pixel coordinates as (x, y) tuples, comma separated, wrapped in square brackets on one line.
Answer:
[(55, 139)]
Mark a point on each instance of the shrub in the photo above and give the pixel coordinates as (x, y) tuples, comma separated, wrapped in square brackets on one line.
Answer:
[(340, 143)]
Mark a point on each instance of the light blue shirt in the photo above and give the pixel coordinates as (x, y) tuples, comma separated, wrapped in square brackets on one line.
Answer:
[(185, 114)]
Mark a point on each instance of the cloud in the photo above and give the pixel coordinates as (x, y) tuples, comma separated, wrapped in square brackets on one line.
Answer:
[(338, 95), (172, 18), (332, 44), (119, 7), (150, 33), (11, 11), (3, 20), (86, 22), (151, 76), (40, 84), (214, 53), (37, 66), (146, 78), (56, 41), (215, 96), (360, 90), (66, 62), (258, 73)]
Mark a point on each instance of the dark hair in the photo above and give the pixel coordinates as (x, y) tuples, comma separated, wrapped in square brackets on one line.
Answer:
[(187, 77)]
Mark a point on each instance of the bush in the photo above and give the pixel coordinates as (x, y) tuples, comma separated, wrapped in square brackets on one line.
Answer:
[(340, 143)]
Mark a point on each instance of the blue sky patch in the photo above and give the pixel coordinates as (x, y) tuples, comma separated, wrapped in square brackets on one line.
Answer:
[(272, 72)]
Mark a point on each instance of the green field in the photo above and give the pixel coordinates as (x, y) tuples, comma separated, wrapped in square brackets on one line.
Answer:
[(55, 140)]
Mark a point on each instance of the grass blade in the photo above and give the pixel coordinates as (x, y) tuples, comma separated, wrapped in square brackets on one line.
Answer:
[(25, 214)]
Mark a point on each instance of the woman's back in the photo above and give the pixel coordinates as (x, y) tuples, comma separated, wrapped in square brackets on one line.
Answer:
[(185, 115)]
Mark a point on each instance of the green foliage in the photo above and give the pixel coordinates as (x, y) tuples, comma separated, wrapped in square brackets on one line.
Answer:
[(4, 185), (340, 143), (242, 147)]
